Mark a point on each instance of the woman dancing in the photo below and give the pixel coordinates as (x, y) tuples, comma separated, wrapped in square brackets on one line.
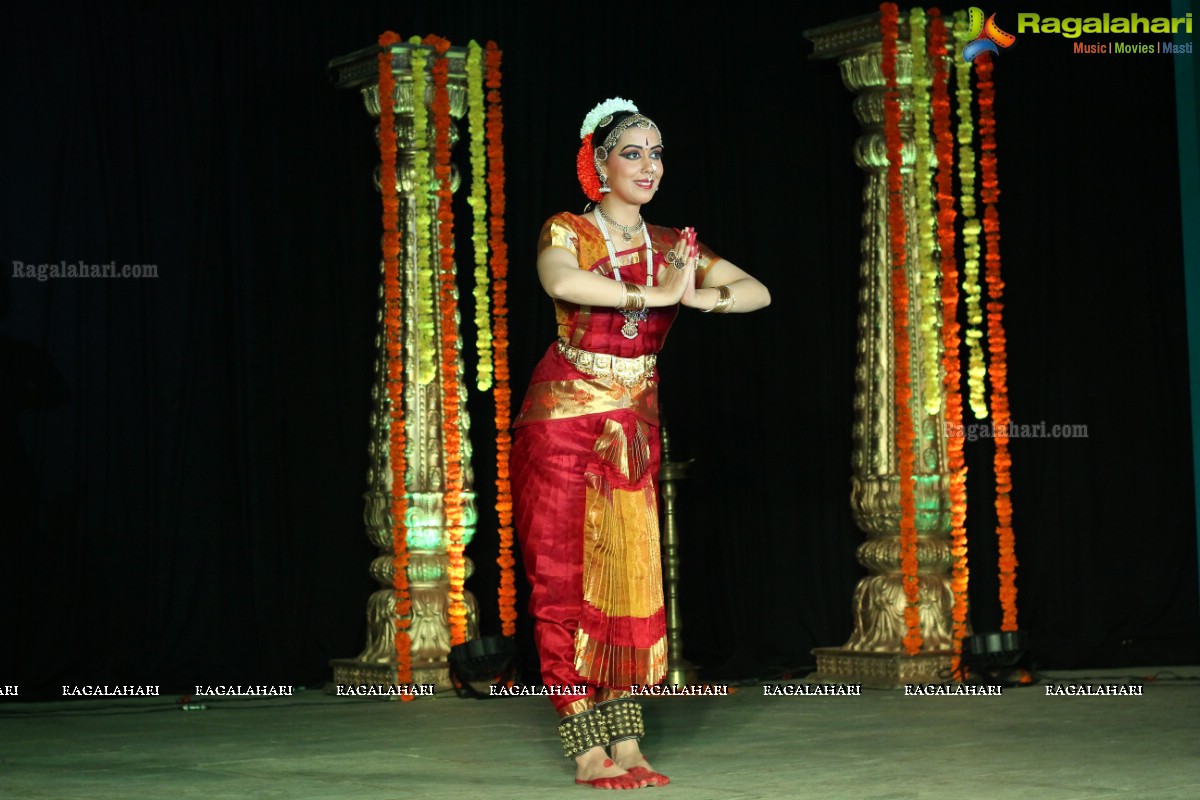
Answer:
[(585, 459)]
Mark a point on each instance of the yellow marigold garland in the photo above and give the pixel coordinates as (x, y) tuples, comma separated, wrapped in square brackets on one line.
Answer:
[(927, 270), (997, 343), (501, 390), (971, 228), (897, 237), (394, 344), (452, 500), (422, 181), (479, 228)]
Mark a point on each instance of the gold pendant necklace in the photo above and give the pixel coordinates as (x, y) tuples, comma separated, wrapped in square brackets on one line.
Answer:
[(627, 231), (632, 318)]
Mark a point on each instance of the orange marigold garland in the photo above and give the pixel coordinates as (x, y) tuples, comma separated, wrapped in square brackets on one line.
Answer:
[(393, 336), (585, 169), (501, 389), (897, 237), (997, 344), (951, 343), (448, 299)]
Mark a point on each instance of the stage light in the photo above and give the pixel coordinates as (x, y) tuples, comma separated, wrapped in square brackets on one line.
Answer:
[(994, 657), (489, 660)]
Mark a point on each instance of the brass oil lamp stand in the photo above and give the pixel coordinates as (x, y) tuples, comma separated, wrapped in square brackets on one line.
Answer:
[(679, 670)]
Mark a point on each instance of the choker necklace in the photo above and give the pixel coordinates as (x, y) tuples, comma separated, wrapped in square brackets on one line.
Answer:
[(627, 231), (632, 318)]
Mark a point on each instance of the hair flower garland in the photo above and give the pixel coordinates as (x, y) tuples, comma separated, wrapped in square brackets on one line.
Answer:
[(585, 170), (897, 236), (604, 109), (393, 338), (501, 389)]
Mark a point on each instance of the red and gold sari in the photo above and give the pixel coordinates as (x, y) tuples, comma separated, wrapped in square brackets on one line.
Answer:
[(584, 473)]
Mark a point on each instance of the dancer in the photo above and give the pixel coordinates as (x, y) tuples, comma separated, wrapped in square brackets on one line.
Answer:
[(586, 455)]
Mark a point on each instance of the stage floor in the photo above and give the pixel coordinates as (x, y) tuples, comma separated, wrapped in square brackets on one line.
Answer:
[(880, 744)]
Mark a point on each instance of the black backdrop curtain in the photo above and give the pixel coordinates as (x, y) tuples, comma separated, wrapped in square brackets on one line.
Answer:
[(184, 456)]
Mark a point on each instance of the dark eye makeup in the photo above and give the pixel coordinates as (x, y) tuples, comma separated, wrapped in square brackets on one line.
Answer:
[(634, 152)]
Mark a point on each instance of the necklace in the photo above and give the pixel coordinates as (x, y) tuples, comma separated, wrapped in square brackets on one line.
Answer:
[(630, 329), (627, 231)]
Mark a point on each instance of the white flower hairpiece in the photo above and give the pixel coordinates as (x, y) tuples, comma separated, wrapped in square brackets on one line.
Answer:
[(608, 107)]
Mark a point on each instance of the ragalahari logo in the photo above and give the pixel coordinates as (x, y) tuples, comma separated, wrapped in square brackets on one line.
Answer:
[(985, 36)]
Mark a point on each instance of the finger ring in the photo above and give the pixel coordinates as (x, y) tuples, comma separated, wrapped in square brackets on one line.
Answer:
[(675, 260)]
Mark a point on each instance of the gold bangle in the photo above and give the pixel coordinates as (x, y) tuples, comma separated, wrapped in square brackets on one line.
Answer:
[(624, 295), (636, 297), (725, 301)]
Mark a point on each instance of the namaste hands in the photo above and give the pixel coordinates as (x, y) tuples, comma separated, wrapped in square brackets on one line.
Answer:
[(678, 277)]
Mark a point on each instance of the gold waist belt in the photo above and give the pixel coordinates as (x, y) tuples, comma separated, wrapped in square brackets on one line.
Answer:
[(625, 371)]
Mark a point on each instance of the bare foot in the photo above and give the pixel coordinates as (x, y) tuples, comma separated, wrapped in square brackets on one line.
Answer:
[(595, 768), (628, 755)]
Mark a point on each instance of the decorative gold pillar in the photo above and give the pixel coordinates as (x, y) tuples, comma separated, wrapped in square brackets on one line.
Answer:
[(428, 533), (875, 655)]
